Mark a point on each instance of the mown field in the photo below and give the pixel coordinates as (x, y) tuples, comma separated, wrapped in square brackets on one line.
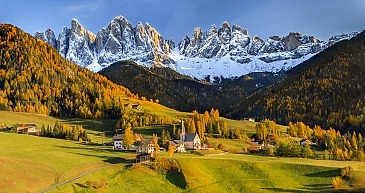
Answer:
[(36, 163), (30, 164), (220, 173), (95, 127)]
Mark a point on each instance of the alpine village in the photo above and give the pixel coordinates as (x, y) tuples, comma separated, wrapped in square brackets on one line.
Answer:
[(125, 110)]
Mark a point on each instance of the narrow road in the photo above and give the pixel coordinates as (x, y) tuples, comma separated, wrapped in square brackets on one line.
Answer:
[(75, 178)]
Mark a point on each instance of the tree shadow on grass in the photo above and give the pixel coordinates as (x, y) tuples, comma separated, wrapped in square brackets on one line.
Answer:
[(90, 148), (176, 178), (325, 174), (326, 188), (91, 153), (98, 125), (116, 160), (108, 159), (81, 185)]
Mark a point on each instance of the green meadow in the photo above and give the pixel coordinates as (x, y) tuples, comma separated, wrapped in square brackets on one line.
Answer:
[(219, 173), (36, 163), (31, 164)]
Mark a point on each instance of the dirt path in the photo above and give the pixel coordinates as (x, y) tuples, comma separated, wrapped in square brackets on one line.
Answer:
[(75, 178)]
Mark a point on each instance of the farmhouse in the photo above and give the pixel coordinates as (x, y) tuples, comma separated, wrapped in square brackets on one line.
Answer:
[(143, 158), (179, 145), (28, 129), (249, 119), (145, 146), (140, 145), (118, 141), (255, 146), (4, 128), (133, 106)]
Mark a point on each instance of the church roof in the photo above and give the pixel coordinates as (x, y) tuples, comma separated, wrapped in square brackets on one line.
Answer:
[(190, 137), (175, 142)]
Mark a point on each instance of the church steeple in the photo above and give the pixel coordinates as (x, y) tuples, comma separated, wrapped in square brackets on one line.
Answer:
[(182, 132)]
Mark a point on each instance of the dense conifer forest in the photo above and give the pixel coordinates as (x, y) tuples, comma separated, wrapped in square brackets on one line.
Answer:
[(327, 90)]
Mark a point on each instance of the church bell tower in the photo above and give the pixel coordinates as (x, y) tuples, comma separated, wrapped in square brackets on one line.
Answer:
[(182, 132)]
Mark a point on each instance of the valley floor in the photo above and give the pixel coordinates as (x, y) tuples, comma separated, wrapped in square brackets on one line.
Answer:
[(31, 164)]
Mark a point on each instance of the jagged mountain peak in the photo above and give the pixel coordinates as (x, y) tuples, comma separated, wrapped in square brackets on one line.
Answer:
[(236, 28), (119, 21), (47, 36), (226, 25), (119, 40), (230, 51), (77, 27), (227, 50), (213, 29)]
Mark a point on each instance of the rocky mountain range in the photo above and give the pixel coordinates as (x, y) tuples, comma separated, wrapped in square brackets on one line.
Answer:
[(118, 41), (227, 51)]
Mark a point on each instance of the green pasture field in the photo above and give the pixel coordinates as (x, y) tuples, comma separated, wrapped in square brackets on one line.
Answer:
[(221, 173)]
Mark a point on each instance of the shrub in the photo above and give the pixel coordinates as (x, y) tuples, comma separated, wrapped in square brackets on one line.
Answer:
[(338, 182), (347, 171), (269, 150), (96, 185), (326, 155), (220, 146), (165, 166)]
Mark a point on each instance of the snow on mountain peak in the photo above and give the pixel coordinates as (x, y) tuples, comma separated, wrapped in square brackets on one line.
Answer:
[(226, 51)]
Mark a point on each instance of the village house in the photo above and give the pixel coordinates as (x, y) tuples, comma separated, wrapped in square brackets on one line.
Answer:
[(137, 107), (133, 106), (255, 146), (143, 158), (118, 141), (249, 119), (145, 146), (28, 129), (140, 145), (4, 128), (128, 105), (304, 142), (179, 145)]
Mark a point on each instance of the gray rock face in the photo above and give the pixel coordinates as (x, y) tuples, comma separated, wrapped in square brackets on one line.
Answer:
[(63, 41), (118, 41), (217, 50), (80, 43), (47, 36), (237, 43)]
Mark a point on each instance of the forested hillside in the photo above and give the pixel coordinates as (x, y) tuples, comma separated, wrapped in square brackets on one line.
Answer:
[(327, 90), (35, 78), (182, 92), (171, 88)]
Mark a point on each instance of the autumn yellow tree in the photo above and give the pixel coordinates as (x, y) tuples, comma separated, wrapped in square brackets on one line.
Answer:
[(128, 139), (171, 149), (155, 142)]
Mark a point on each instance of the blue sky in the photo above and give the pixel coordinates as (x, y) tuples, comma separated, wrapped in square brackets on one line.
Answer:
[(176, 18)]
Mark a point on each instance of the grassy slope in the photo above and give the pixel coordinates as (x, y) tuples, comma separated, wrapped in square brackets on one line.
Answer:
[(96, 126), (93, 126), (37, 162), (224, 173)]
